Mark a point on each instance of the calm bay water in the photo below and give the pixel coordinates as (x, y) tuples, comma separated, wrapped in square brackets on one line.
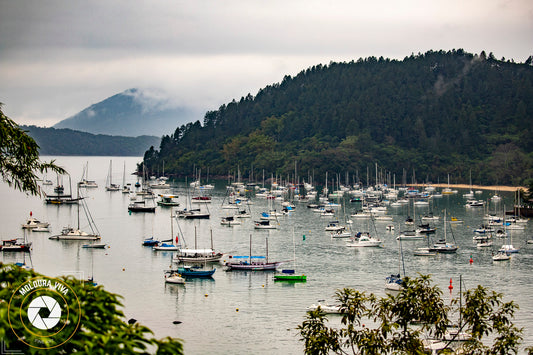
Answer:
[(246, 311)]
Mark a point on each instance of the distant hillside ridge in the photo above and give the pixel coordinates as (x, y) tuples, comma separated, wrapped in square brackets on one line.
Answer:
[(418, 119), (70, 142), (132, 113)]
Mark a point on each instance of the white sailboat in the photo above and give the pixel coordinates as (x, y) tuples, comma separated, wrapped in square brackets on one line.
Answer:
[(70, 233), (109, 181), (125, 188), (395, 282)]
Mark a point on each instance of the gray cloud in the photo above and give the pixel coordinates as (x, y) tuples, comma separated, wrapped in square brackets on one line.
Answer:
[(58, 57)]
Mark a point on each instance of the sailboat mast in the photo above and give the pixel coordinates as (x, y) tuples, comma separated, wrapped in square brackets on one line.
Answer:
[(171, 226), (267, 250), (78, 205)]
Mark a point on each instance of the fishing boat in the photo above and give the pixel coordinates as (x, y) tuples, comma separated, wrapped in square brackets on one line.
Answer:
[(290, 274), (251, 263)]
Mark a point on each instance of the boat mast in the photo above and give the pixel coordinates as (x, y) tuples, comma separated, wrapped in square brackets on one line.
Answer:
[(267, 250)]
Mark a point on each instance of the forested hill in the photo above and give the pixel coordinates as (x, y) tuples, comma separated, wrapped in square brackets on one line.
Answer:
[(65, 141), (434, 114)]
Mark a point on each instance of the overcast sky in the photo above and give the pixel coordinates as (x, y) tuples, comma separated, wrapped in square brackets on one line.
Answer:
[(59, 57)]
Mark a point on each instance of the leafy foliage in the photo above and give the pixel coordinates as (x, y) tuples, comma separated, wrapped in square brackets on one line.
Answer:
[(401, 321), (19, 158), (435, 113), (102, 327)]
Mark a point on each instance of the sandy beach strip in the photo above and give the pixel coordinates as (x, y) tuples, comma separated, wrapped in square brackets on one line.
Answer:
[(474, 187)]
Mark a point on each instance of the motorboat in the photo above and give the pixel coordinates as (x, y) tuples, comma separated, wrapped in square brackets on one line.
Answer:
[(334, 226), (150, 242), (195, 271), (329, 308), (230, 221), (168, 200), (195, 213), (409, 235), (501, 256), (264, 224), (15, 244), (32, 223), (424, 252), (364, 240), (394, 282), (174, 278), (94, 246), (140, 206), (165, 247)]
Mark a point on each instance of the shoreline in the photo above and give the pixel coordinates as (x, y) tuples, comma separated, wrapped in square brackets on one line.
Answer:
[(474, 187)]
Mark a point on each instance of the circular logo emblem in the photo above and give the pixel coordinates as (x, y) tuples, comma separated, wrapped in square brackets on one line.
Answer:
[(44, 302), (44, 313)]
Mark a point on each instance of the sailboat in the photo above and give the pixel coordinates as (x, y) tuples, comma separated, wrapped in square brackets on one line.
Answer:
[(69, 233), (252, 263), (289, 274), (196, 255), (163, 246), (125, 187), (395, 282), (85, 182), (109, 181), (443, 246), (508, 248)]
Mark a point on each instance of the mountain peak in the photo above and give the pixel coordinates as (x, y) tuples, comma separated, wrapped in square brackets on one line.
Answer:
[(133, 112)]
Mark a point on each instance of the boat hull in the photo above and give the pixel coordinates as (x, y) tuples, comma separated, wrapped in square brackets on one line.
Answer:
[(252, 266)]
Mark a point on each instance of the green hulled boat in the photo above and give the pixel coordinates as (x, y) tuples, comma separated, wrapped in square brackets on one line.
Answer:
[(289, 275)]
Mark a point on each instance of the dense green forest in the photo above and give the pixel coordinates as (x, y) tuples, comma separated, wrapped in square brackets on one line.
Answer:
[(69, 142), (429, 115)]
